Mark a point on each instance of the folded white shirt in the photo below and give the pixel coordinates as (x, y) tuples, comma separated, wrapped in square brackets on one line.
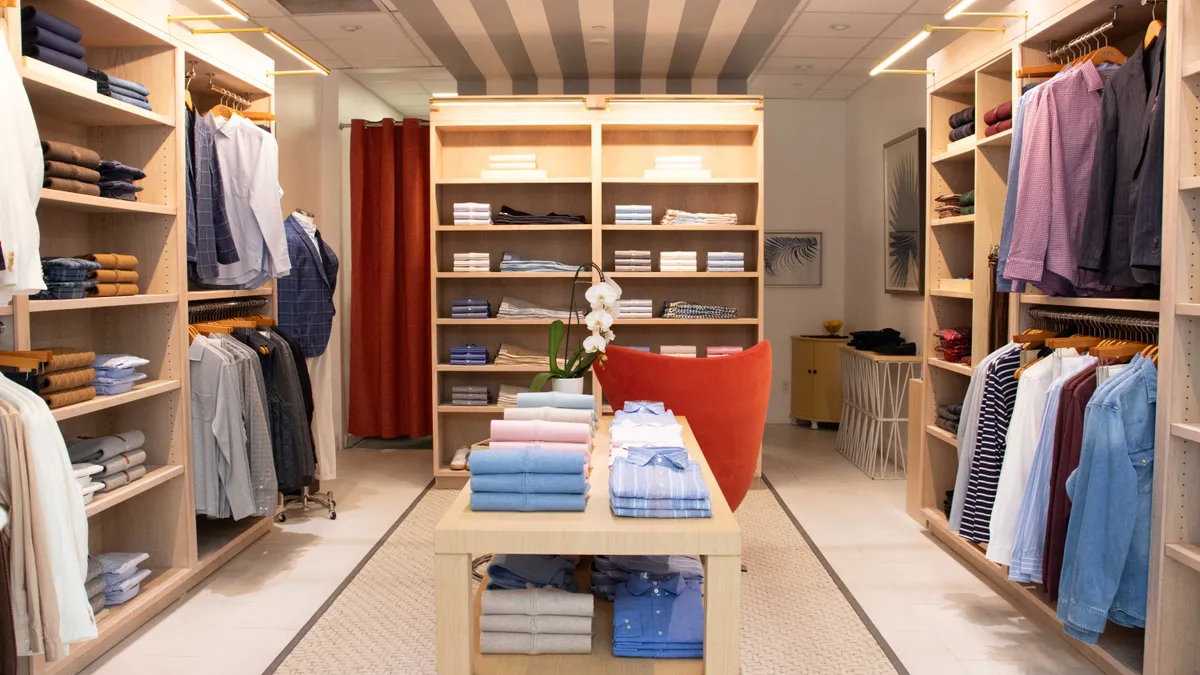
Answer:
[(624, 437)]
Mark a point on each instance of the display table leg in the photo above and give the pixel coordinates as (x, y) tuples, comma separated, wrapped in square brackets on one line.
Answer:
[(455, 635), (722, 614)]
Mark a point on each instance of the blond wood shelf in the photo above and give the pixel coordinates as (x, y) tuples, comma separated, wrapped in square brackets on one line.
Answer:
[(960, 153), (956, 220), (1188, 432), (747, 227), (942, 435), (98, 303), (942, 293), (1185, 554), (489, 368), (89, 204), (470, 409), (960, 368), (215, 549), (1000, 140), (1189, 183), (683, 275), (194, 296), (155, 476), (683, 181), (1191, 69), (142, 390), (511, 181), (1126, 304), (511, 275), (512, 228), (687, 322), (495, 322), (63, 94)]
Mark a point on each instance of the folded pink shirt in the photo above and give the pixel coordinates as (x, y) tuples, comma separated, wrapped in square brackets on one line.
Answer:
[(541, 445), (541, 430)]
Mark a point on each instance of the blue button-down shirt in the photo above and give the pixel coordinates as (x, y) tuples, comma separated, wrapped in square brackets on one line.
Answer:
[(644, 418), (1106, 559), (657, 473), (645, 406), (659, 619), (610, 571)]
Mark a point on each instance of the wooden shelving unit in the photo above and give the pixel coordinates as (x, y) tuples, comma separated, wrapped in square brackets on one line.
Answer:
[(978, 70), (155, 513), (594, 156)]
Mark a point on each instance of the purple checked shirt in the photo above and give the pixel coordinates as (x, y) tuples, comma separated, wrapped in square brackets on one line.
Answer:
[(1057, 148)]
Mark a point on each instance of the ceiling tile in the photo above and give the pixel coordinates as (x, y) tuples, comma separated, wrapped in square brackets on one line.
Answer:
[(336, 64), (910, 24), (287, 28), (859, 6), (778, 65), (881, 48), (820, 47), (850, 82), (788, 81), (383, 62), (817, 24), (370, 26), (831, 94), (315, 49), (859, 66), (377, 49), (397, 87), (784, 94), (260, 8), (939, 7)]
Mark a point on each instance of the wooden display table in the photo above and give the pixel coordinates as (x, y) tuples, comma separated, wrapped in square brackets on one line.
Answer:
[(463, 533)]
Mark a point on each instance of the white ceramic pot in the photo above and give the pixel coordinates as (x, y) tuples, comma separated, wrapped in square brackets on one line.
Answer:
[(572, 385)]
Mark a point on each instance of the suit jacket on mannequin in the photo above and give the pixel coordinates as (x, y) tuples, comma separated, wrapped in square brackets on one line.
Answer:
[(306, 295)]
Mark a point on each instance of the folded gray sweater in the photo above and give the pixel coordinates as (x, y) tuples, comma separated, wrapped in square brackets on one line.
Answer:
[(525, 643), (538, 601), (545, 624)]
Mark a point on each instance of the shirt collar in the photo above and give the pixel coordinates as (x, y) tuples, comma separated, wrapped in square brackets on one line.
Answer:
[(644, 406), (668, 456), (225, 125), (1091, 76), (1149, 377), (639, 585)]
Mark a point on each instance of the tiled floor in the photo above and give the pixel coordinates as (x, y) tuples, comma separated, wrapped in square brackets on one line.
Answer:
[(935, 614)]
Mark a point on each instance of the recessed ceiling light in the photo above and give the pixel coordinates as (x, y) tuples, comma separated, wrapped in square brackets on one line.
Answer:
[(797, 84), (803, 66), (839, 26), (599, 27), (352, 28), (599, 41)]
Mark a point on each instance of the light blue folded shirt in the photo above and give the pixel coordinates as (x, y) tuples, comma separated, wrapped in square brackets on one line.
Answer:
[(656, 407), (555, 399), (524, 501), (526, 460), (531, 483), (113, 361), (644, 419)]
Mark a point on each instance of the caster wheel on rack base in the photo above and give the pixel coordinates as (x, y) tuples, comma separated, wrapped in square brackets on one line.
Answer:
[(333, 515), (281, 518)]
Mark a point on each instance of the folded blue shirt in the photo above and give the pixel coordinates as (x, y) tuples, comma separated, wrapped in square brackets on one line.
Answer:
[(663, 616), (527, 460), (656, 407), (540, 483), (657, 473), (661, 513), (644, 418), (635, 503), (525, 501), (118, 361), (509, 572), (555, 399)]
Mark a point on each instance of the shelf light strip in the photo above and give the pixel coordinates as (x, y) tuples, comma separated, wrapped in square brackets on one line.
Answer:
[(917, 39), (960, 10), (316, 67), (234, 12)]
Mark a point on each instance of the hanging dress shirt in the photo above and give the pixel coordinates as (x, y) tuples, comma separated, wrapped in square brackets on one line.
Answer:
[(20, 187), (249, 159), (968, 432), (999, 397)]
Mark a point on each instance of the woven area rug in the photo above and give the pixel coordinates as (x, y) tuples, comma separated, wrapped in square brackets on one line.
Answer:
[(796, 618)]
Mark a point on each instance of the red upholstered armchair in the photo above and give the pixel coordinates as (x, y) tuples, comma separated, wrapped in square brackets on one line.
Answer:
[(724, 400)]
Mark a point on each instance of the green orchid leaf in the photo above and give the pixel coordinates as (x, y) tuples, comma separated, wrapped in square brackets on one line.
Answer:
[(557, 331), (539, 381)]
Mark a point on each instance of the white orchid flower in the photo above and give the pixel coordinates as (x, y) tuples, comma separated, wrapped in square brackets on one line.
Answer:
[(602, 296), (594, 343), (613, 282), (598, 320), (609, 335)]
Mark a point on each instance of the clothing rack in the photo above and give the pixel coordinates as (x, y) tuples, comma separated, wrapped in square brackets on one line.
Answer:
[(1105, 324), (377, 125), (223, 309), (1067, 49)]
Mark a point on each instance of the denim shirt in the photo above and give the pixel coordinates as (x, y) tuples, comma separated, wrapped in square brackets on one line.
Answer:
[(1106, 560)]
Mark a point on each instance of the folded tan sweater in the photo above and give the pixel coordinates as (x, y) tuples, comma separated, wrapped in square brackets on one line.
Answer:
[(71, 154), (541, 624), (68, 185), (66, 379), (112, 261), (67, 358), (72, 171), (69, 397), (114, 276), (525, 643), (110, 290)]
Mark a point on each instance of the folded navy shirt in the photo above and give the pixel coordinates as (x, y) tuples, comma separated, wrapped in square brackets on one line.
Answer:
[(32, 16), (55, 58), (32, 35), (111, 169)]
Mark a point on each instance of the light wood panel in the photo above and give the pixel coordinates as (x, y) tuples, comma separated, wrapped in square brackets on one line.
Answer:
[(564, 152)]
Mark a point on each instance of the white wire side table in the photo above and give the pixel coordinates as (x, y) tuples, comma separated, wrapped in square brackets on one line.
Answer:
[(874, 426)]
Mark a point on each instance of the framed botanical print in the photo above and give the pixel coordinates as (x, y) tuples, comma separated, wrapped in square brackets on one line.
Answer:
[(904, 213), (792, 258)]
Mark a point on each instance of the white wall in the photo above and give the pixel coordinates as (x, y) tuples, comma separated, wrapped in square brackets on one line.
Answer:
[(805, 184), (888, 107)]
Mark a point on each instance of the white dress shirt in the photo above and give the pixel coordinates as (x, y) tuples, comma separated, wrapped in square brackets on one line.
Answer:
[(20, 186), (249, 160)]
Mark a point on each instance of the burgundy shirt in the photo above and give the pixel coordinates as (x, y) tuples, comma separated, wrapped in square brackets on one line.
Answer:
[(1068, 441)]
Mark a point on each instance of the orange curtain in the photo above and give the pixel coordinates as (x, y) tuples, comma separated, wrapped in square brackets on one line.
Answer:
[(390, 359)]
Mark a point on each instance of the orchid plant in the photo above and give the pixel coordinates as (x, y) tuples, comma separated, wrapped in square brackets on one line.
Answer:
[(602, 299)]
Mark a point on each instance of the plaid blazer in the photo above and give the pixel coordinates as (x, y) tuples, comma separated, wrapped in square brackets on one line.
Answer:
[(306, 294)]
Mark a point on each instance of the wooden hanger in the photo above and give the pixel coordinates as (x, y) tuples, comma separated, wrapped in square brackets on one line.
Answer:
[(1120, 353), (207, 328), (1155, 28), (1034, 337), (1105, 54), (222, 110), (262, 320), (24, 361), (1080, 343), (258, 116), (1048, 70)]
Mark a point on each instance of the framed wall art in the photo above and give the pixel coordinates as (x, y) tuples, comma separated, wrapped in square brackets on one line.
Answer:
[(904, 213), (792, 258)]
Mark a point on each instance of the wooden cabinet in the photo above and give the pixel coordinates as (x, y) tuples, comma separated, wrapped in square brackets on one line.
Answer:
[(816, 379)]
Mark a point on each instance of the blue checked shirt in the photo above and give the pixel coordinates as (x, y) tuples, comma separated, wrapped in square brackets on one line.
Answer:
[(210, 239), (657, 473), (306, 294)]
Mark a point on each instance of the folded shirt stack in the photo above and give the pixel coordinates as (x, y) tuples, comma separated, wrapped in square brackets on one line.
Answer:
[(511, 216), (644, 418), (721, 351), (658, 481), (966, 203), (507, 397), (948, 205), (470, 308), (659, 619), (623, 438), (85, 475), (508, 572), (528, 479), (887, 341), (607, 572), (120, 457), (634, 214), (472, 213), (515, 434), (512, 308), (551, 414), (126, 91), (535, 621), (512, 167), (70, 168), (67, 378), (962, 124), (633, 261), (678, 166), (636, 308), (516, 355), (116, 180), (468, 395), (468, 355), (998, 119), (66, 278), (116, 373), (512, 262), (685, 351), (726, 261), (52, 40), (954, 344), (117, 274), (677, 217), (680, 309), (948, 417), (563, 407), (93, 584), (640, 348), (472, 262), (122, 578), (677, 261)]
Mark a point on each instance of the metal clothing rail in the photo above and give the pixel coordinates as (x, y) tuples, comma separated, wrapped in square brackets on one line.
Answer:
[(1106, 324), (215, 310), (1068, 49), (379, 124)]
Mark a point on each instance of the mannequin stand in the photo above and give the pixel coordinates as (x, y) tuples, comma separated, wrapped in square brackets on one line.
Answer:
[(305, 498)]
